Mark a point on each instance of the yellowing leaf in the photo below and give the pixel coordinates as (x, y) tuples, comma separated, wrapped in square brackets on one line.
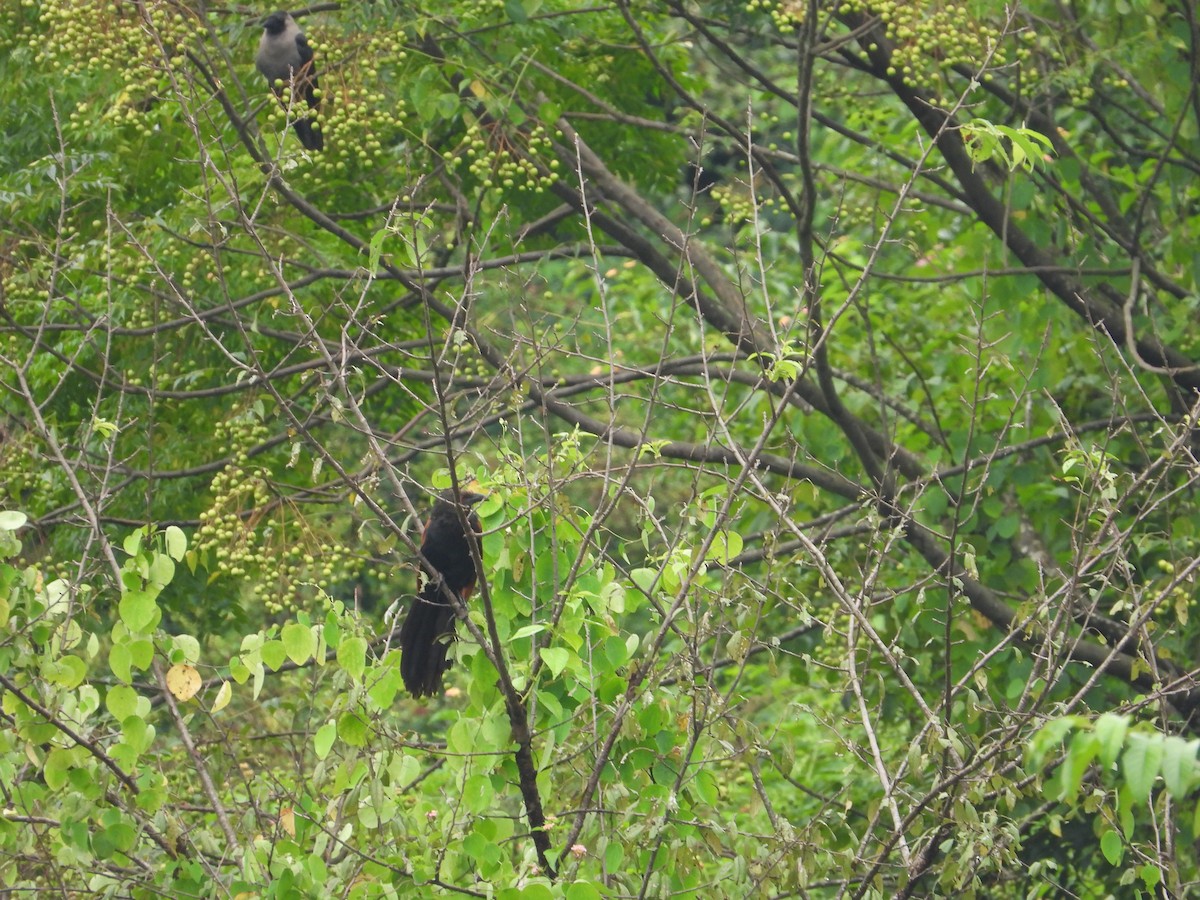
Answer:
[(223, 696), (183, 681), (287, 820)]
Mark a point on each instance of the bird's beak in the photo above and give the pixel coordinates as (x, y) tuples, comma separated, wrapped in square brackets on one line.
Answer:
[(473, 493)]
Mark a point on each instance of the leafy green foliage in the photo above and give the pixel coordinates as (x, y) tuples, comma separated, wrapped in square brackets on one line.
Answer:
[(1144, 757), (1014, 147)]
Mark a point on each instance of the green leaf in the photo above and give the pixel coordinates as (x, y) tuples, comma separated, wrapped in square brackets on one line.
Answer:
[(57, 767), (1140, 763), (137, 734), (1084, 748), (1151, 876), (375, 249), (323, 739), (299, 642), (405, 769), (11, 520), (644, 578), (614, 856), (1049, 736), (120, 661), (1112, 847), (162, 570), (527, 630), (582, 890), (141, 653), (707, 787), (1110, 732), (555, 658), (1007, 526), (478, 794), (133, 542), (68, 671), (121, 702), (1179, 765), (352, 656), (273, 654), (176, 542), (738, 646), (138, 610), (118, 838), (615, 651), (516, 11), (463, 735), (725, 546), (612, 595), (386, 686), (57, 597), (353, 729), (188, 647), (239, 671)]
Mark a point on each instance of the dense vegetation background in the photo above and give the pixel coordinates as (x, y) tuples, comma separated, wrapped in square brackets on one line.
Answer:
[(832, 369)]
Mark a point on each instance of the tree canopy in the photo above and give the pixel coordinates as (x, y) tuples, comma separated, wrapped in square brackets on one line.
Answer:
[(831, 369)]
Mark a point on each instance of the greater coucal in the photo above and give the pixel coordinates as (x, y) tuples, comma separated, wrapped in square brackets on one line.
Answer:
[(285, 57), (429, 628)]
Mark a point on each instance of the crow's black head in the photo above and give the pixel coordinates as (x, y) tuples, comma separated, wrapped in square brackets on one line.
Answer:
[(275, 23)]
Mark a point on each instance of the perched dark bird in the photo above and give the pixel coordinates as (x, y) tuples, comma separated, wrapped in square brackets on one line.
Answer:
[(429, 628), (286, 61)]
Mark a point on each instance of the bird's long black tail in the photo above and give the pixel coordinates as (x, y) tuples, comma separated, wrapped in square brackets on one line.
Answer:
[(310, 136), (424, 641)]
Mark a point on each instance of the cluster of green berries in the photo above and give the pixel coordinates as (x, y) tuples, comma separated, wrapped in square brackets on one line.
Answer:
[(228, 536), (479, 9), (929, 38), (246, 533), (85, 36), (786, 14), (134, 42), (358, 121), (493, 158), (737, 204)]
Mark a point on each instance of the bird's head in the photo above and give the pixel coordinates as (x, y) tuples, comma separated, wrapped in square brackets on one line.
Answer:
[(276, 22), (468, 495)]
